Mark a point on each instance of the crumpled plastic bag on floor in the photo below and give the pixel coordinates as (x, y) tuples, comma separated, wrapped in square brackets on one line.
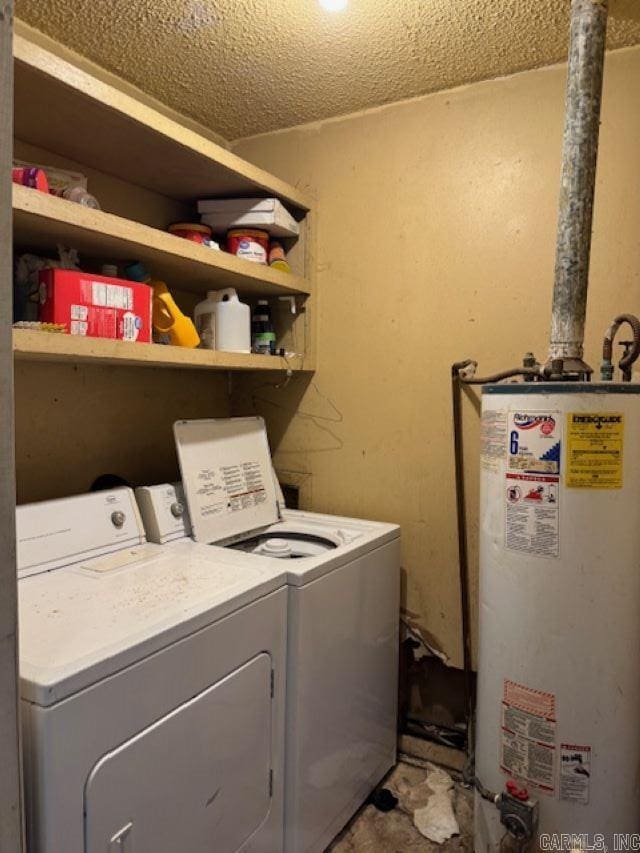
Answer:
[(436, 821)]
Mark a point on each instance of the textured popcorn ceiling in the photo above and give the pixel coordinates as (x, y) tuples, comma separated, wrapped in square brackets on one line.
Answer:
[(248, 66)]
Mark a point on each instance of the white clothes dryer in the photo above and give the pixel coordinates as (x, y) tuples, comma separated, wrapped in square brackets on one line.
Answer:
[(153, 687)]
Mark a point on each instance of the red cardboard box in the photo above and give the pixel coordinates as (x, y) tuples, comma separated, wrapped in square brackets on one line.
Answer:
[(96, 306)]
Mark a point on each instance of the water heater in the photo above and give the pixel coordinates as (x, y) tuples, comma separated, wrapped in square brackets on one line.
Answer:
[(558, 708)]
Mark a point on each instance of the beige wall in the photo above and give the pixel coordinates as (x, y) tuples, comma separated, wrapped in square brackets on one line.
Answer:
[(74, 423), (436, 233)]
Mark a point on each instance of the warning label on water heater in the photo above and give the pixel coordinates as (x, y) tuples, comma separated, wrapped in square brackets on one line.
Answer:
[(493, 432), (575, 772), (528, 743), (532, 514), (532, 487), (595, 444)]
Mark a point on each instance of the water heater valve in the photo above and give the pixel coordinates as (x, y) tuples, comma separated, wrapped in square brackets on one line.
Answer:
[(518, 813)]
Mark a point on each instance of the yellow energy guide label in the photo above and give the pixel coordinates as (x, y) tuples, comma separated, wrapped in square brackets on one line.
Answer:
[(594, 450)]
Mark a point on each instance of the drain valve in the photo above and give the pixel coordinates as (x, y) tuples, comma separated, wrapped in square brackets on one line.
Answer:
[(518, 813)]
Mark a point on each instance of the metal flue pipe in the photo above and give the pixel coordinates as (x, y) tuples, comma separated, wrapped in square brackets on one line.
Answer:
[(580, 152)]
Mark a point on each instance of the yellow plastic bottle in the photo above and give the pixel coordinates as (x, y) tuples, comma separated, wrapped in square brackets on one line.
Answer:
[(168, 319)]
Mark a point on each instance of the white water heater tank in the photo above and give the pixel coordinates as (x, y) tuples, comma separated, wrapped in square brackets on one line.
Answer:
[(559, 644)]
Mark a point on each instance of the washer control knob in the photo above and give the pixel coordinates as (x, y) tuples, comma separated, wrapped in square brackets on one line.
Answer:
[(177, 509), (118, 519)]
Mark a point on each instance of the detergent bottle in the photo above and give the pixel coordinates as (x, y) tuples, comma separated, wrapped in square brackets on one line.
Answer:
[(204, 315), (168, 319), (232, 322)]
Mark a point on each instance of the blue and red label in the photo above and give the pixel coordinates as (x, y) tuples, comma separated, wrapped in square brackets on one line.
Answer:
[(534, 442)]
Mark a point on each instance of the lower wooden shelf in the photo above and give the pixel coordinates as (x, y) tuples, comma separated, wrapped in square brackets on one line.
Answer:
[(53, 347)]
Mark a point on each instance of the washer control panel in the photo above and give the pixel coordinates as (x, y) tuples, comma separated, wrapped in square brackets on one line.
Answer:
[(164, 512)]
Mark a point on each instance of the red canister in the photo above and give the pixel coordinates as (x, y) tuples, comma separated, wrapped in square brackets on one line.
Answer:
[(251, 244), (193, 231)]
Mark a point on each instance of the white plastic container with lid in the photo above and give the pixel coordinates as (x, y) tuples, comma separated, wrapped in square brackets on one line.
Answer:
[(268, 214), (232, 322), (204, 316)]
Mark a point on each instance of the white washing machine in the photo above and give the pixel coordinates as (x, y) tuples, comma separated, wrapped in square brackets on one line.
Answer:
[(153, 687), (344, 600)]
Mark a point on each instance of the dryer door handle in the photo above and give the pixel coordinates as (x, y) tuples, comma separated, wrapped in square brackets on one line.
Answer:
[(122, 841)]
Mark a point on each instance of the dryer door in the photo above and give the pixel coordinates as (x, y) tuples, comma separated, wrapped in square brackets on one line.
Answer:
[(196, 780)]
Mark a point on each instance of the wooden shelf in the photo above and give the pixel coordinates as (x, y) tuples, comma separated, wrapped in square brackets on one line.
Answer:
[(66, 110), (42, 221), (54, 347), (70, 110)]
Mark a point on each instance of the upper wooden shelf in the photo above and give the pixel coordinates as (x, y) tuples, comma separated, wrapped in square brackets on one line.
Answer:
[(42, 221), (68, 111), (54, 347)]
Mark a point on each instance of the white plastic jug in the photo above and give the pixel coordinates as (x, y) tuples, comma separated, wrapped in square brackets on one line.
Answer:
[(204, 316), (232, 322)]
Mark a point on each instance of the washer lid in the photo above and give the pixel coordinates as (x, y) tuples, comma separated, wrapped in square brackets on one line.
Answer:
[(227, 476)]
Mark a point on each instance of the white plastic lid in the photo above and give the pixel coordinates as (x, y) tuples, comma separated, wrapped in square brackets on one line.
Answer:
[(227, 476)]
